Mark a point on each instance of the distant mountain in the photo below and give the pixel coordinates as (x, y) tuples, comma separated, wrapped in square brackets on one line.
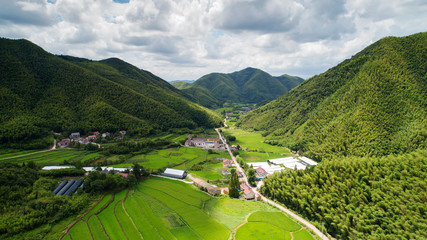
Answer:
[(249, 85), (373, 104), (181, 84), (41, 92)]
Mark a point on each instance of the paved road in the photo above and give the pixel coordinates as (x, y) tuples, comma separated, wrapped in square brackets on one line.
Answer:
[(289, 212)]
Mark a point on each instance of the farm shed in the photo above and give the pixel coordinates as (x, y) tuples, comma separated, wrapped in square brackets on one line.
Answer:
[(175, 173), (308, 161), (60, 186), (74, 187), (66, 187), (248, 194), (209, 188)]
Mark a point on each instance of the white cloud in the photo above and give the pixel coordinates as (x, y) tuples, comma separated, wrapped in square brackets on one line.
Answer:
[(183, 39)]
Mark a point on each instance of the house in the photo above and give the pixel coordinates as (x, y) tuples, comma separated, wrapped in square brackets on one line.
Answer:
[(212, 190), (125, 175), (106, 134), (123, 132), (225, 172), (91, 137), (248, 194), (96, 133), (244, 186), (75, 135), (227, 163), (239, 174), (174, 173), (260, 173), (64, 143)]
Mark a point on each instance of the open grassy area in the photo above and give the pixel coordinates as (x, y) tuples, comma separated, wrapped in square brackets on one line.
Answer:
[(253, 141), (7, 153), (55, 157), (161, 208)]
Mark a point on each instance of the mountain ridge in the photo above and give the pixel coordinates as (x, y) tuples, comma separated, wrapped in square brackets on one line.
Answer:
[(249, 85), (369, 105)]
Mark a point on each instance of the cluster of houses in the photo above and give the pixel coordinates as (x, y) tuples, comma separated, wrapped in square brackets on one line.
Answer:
[(76, 137), (226, 163), (204, 143)]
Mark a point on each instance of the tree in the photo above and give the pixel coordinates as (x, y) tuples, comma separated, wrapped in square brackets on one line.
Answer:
[(251, 176), (233, 185)]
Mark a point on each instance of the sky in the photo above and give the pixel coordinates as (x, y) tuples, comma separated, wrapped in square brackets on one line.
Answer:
[(184, 40)]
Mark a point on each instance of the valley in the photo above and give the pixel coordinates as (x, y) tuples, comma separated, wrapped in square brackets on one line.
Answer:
[(243, 155)]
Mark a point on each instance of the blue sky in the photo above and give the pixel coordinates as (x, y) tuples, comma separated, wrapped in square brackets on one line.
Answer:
[(183, 39)]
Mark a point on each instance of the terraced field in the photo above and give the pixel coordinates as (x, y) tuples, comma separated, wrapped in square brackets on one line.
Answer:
[(54, 157), (160, 208)]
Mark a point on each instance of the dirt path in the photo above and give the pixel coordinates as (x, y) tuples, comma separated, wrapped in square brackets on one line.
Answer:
[(29, 154), (289, 212), (235, 229), (123, 206)]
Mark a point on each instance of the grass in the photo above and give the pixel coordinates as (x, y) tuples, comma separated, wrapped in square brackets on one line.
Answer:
[(80, 231), (259, 230), (253, 141), (232, 212), (167, 209), (54, 157), (109, 221), (275, 218), (126, 223), (96, 228), (303, 235), (7, 153)]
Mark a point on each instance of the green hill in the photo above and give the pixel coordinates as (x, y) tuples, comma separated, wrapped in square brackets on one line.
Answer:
[(249, 85), (41, 92), (373, 104), (181, 84)]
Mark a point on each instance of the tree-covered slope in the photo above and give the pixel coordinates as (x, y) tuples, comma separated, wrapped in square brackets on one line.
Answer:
[(359, 198), (180, 84), (373, 104), (41, 92), (249, 85)]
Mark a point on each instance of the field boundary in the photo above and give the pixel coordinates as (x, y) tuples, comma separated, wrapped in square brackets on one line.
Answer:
[(123, 206), (115, 215)]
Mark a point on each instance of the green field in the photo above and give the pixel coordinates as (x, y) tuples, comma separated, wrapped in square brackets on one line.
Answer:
[(271, 225), (161, 208), (54, 157), (7, 153), (253, 141)]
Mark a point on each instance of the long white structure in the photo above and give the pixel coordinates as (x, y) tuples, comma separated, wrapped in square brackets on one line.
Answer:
[(175, 173), (308, 161)]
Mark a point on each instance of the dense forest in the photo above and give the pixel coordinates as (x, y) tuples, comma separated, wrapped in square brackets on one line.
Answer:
[(359, 198), (373, 104), (41, 93), (249, 85)]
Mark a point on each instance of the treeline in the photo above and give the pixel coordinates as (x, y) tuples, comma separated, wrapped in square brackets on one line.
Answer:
[(27, 201), (359, 198)]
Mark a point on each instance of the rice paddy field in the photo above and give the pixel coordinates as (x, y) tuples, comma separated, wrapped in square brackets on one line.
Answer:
[(53, 157), (161, 208)]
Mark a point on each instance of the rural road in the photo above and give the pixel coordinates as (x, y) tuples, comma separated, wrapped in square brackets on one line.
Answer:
[(289, 212)]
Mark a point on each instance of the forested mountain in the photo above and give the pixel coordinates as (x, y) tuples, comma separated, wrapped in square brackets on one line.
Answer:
[(373, 104), (41, 92), (249, 85)]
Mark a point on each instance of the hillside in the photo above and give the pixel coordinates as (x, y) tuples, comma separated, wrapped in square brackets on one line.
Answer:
[(373, 104), (180, 84), (249, 85), (41, 92)]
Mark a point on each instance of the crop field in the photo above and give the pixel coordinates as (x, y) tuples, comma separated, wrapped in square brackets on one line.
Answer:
[(253, 141), (271, 225), (55, 157), (7, 153), (161, 208)]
